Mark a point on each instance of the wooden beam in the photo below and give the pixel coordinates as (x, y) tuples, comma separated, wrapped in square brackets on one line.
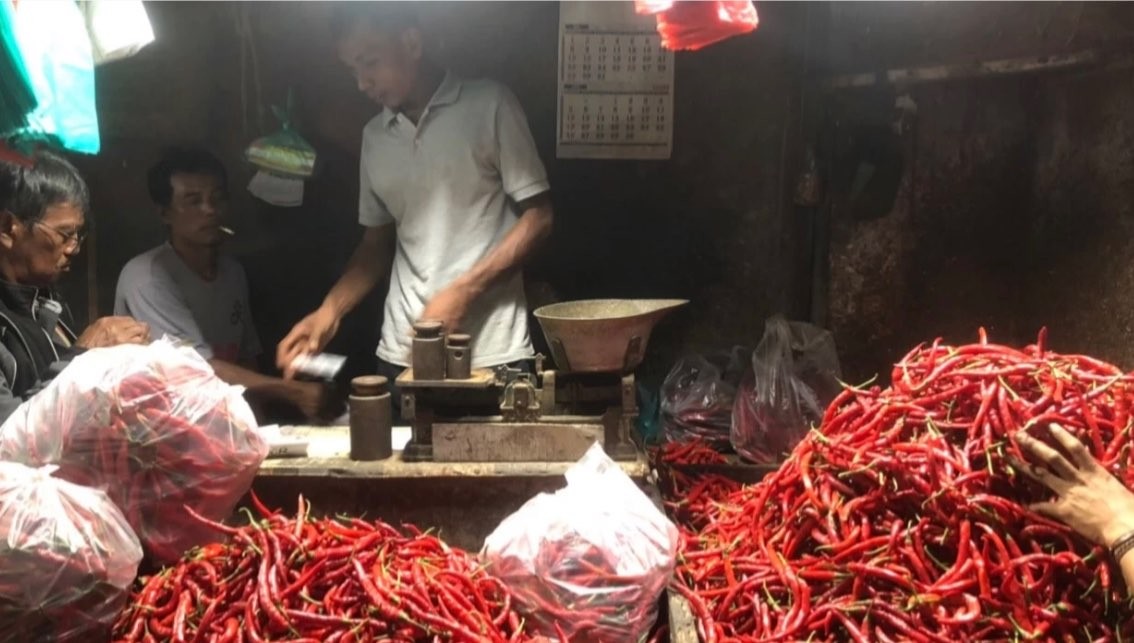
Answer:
[(981, 69), (682, 624), (513, 441), (329, 449)]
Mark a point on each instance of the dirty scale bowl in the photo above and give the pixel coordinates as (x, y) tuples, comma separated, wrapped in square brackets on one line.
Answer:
[(602, 335)]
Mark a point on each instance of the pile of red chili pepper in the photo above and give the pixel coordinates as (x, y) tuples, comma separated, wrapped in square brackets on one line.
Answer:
[(685, 493), (155, 428), (326, 580), (902, 518)]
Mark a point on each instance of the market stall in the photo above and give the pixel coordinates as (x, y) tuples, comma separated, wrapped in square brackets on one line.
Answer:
[(722, 475)]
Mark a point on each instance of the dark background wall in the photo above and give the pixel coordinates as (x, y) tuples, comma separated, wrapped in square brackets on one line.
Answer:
[(1010, 201), (1004, 201), (706, 225)]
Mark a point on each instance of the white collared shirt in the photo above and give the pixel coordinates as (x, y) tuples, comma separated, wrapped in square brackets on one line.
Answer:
[(449, 185)]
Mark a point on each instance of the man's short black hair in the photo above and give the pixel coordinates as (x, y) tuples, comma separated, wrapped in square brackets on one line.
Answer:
[(181, 160), (27, 191), (387, 16)]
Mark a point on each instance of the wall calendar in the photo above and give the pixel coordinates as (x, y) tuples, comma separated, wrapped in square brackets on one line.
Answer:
[(615, 84)]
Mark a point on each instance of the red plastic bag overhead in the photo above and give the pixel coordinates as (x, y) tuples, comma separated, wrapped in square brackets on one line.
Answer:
[(691, 25)]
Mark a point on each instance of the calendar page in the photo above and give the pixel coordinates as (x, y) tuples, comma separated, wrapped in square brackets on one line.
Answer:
[(615, 84)]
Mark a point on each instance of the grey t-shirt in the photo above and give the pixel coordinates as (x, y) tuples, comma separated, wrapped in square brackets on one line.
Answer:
[(446, 184), (159, 289)]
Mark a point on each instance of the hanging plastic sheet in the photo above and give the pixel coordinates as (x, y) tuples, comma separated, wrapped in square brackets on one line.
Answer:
[(17, 99), (118, 28), (56, 49)]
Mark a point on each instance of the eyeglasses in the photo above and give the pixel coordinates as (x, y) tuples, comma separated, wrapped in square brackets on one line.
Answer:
[(70, 239)]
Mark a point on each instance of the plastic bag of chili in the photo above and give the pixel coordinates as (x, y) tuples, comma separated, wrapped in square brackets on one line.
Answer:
[(795, 374), (587, 563), (698, 394), (155, 428), (67, 558)]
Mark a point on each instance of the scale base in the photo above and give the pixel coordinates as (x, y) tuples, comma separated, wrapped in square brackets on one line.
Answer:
[(621, 452), (415, 452)]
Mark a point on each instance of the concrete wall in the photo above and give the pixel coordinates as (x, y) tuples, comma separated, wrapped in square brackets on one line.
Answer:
[(708, 225), (1011, 207)]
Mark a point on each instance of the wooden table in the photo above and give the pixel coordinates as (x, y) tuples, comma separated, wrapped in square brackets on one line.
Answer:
[(465, 500)]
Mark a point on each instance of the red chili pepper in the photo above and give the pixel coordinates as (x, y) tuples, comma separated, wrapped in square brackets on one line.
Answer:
[(931, 452), (271, 582)]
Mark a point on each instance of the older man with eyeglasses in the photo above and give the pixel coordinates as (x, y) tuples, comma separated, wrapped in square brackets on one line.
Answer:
[(43, 207)]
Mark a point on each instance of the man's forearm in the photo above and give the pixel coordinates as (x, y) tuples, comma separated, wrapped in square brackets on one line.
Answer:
[(256, 384), (367, 266), (521, 242)]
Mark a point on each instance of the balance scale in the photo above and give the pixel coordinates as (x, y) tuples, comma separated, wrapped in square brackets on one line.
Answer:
[(552, 414)]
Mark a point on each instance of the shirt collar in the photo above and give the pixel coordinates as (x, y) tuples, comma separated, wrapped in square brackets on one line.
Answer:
[(447, 93), (20, 298)]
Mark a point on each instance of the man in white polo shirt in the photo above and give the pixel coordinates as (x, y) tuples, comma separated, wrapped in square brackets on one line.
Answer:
[(452, 191)]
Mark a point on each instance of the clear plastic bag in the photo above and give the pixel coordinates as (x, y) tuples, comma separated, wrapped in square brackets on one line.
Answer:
[(67, 558), (795, 374), (594, 557), (285, 152), (698, 394), (155, 428)]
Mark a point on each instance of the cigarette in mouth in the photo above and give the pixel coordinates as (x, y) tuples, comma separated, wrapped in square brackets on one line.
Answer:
[(227, 231)]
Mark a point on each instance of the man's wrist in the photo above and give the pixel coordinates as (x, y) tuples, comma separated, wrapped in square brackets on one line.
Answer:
[(334, 306), (1122, 547), (472, 285), (1117, 531), (294, 389)]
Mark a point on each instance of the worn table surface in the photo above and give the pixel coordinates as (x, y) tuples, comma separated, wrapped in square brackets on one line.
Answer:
[(328, 457), (682, 623)]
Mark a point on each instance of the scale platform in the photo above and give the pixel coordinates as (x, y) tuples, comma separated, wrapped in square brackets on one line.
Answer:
[(506, 416), (551, 415)]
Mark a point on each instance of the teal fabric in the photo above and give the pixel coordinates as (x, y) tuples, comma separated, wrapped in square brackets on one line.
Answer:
[(56, 50), (649, 411), (17, 99)]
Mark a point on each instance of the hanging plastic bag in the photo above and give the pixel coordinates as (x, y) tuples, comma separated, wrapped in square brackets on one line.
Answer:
[(698, 395), (67, 558), (286, 152), (795, 374), (693, 24), (53, 39), (593, 557), (276, 190), (118, 28), (155, 428)]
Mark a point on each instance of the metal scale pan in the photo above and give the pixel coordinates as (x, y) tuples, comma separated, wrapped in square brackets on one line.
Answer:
[(602, 335)]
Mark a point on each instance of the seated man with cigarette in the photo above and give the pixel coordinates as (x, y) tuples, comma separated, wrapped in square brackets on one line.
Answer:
[(187, 289)]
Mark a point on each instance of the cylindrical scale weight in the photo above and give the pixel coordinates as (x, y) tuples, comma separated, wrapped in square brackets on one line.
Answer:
[(371, 421), (428, 351), (458, 365)]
